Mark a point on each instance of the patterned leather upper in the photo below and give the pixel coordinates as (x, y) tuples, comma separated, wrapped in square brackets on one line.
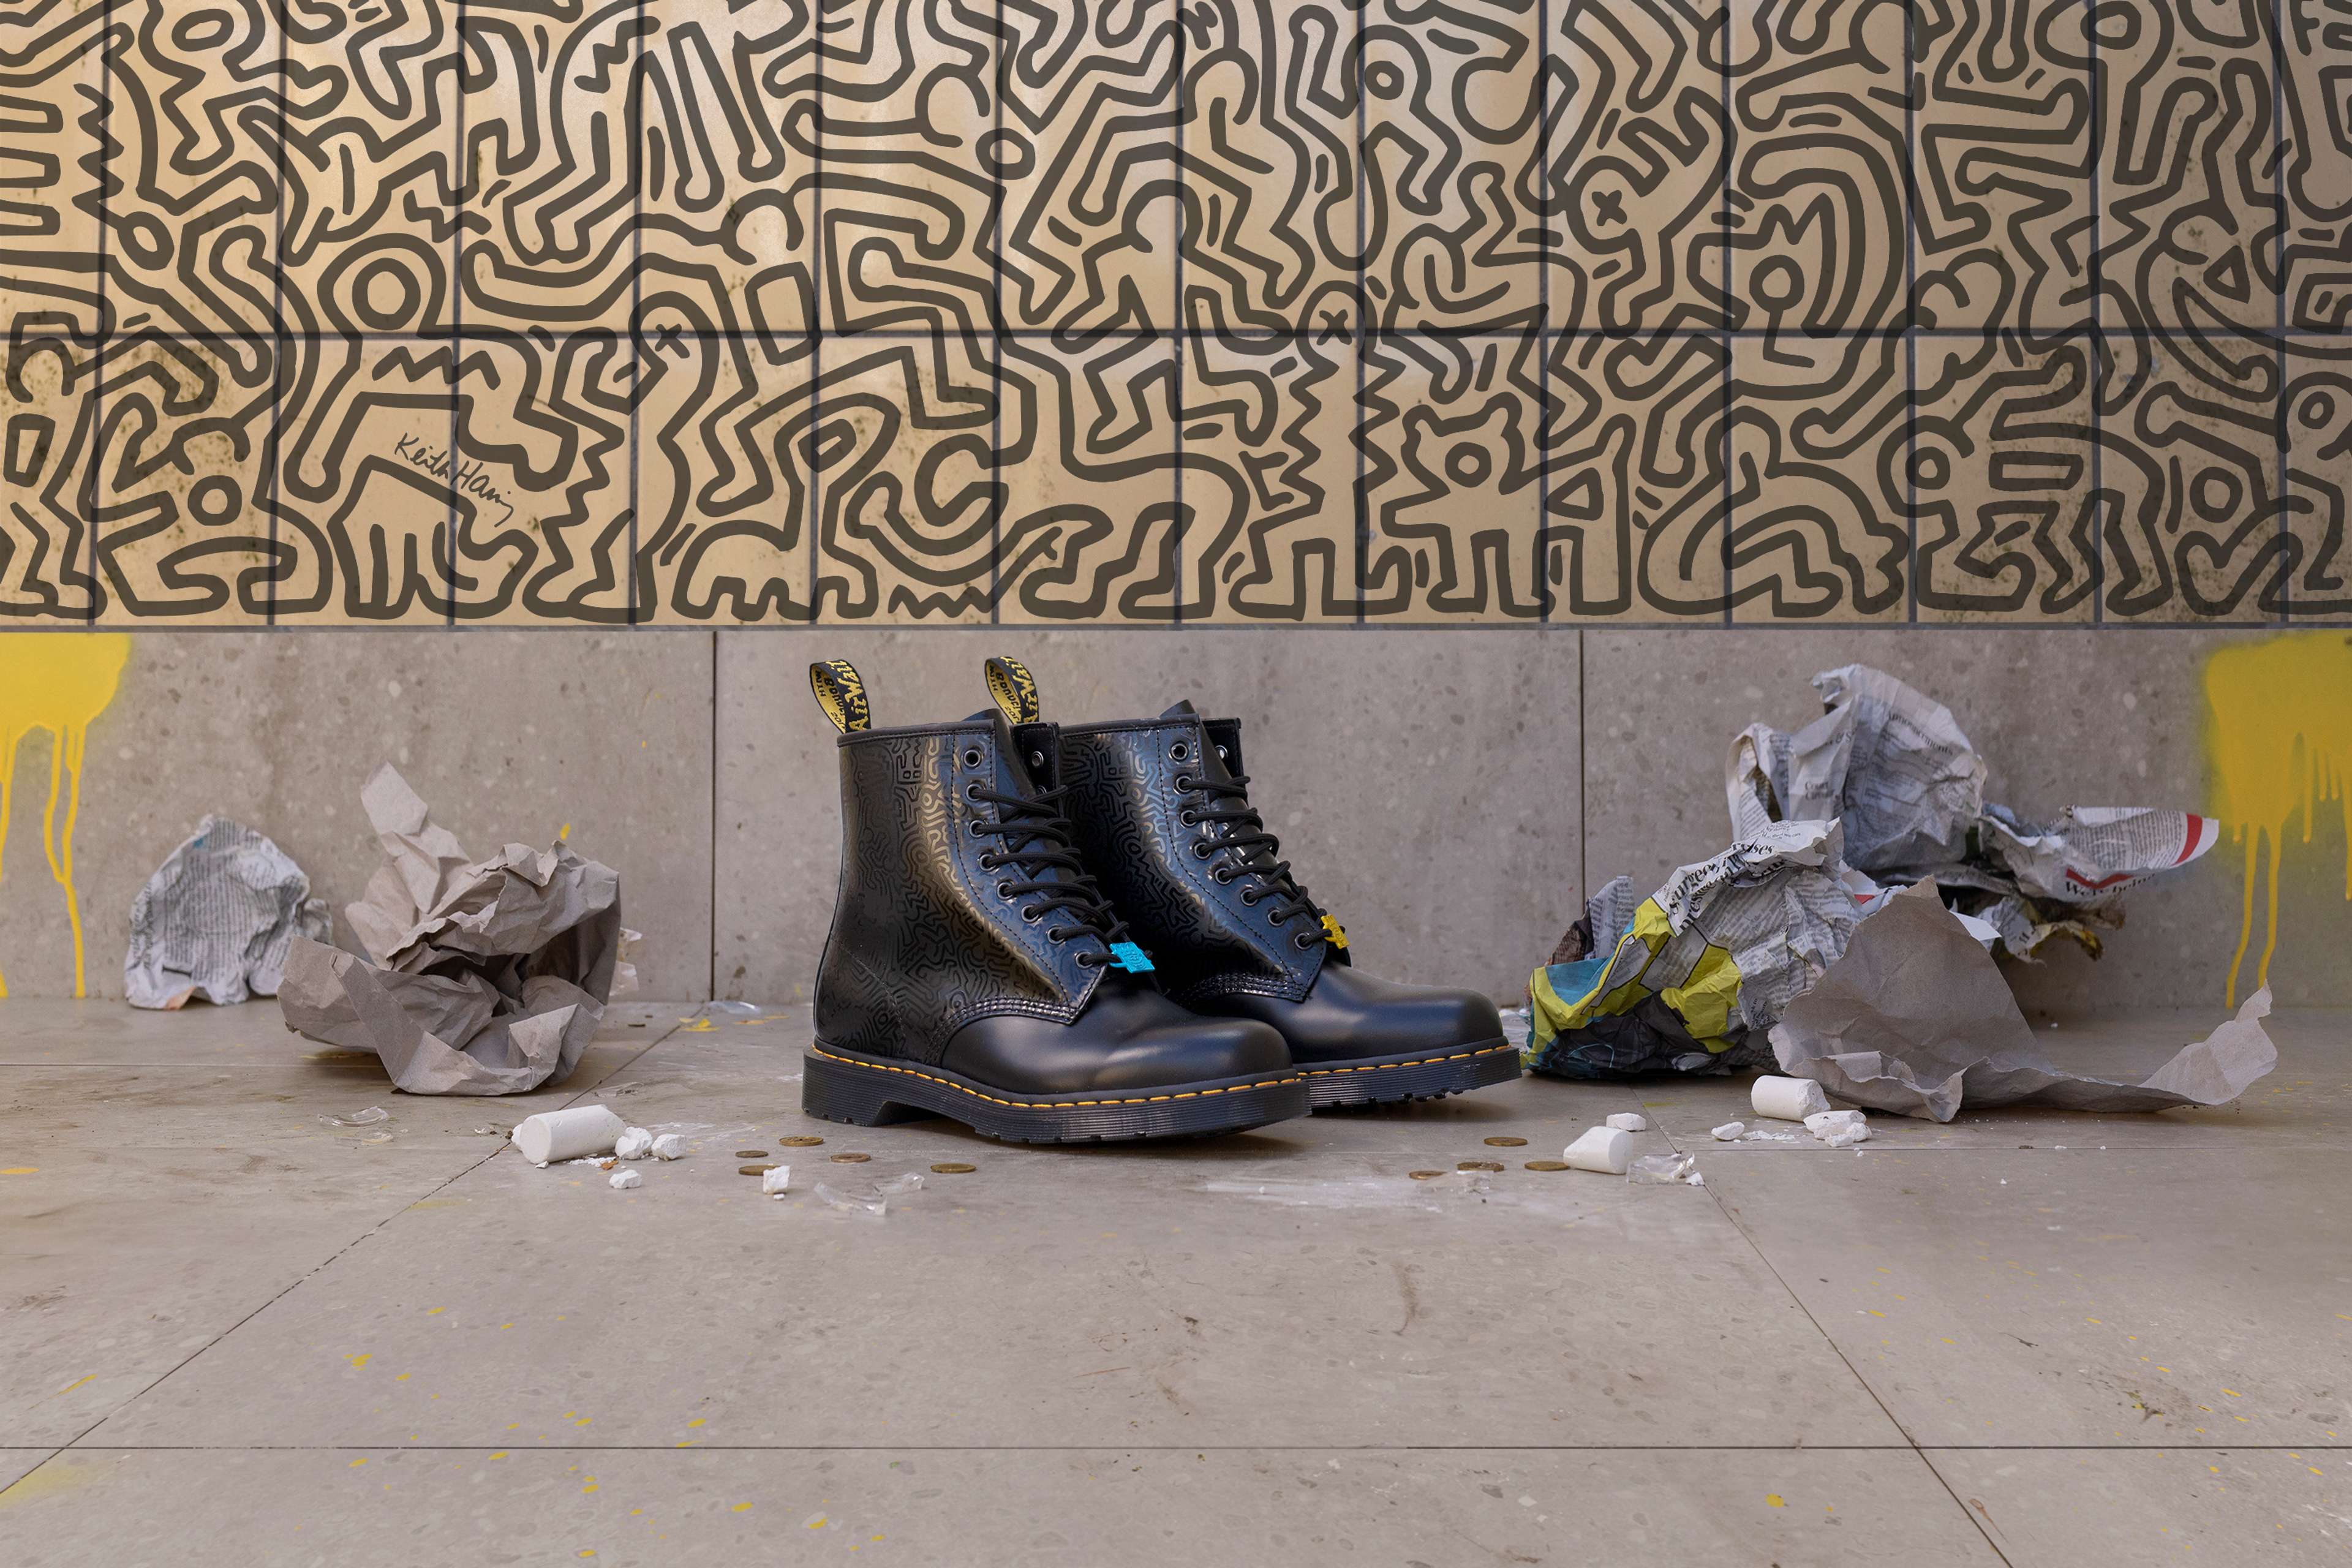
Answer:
[(922, 942), (1204, 936)]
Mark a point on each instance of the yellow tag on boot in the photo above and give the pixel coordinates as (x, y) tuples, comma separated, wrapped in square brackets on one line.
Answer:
[(1014, 688), (1333, 933), (840, 694)]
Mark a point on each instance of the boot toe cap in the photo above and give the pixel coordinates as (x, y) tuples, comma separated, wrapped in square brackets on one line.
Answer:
[(1197, 1050)]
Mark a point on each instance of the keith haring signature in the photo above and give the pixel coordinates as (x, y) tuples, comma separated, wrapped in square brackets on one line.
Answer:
[(467, 478)]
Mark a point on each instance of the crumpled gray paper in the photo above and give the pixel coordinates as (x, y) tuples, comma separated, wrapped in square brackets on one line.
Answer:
[(1916, 1019), (216, 918), (1893, 768), (481, 977)]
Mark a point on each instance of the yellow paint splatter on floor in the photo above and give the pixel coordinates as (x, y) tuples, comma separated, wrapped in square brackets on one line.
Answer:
[(47, 1481), (21, 1171), (1774, 1499), (2278, 739), (58, 682)]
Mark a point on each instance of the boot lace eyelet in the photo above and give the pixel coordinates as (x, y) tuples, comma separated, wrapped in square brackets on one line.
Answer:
[(1036, 759), (1057, 936), (971, 757), (1187, 819), (1202, 849), (1302, 941), (1180, 750), (971, 792), (1184, 781), (1249, 897), (1222, 875), (1029, 913), (1275, 918), (1003, 890), (977, 827), (1221, 755)]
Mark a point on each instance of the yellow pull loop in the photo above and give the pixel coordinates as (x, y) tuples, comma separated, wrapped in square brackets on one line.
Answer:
[(840, 694), (1014, 688), (1333, 934)]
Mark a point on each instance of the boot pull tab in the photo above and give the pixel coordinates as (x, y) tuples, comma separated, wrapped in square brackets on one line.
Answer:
[(1014, 688), (840, 694)]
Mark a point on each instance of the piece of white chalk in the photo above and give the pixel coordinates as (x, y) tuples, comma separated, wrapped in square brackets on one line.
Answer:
[(582, 1130), (1729, 1131), (624, 1179), (1787, 1098), (1608, 1150), (1838, 1129), (670, 1146), (776, 1181), (634, 1143), (1627, 1121)]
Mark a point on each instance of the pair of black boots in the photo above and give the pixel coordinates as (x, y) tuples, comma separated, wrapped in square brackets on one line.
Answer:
[(1060, 935)]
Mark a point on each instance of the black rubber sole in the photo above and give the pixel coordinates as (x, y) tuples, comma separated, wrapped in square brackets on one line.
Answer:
[(1416, 1075), (866, 1091)]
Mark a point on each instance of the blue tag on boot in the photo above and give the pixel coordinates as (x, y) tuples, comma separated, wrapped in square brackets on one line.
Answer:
[(1131, 958)]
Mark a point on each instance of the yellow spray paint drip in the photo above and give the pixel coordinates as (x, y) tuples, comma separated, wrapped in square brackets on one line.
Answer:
[(56, 681), (2279, 739)]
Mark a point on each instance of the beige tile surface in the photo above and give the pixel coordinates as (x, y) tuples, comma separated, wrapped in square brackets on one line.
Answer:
[(728, 226)]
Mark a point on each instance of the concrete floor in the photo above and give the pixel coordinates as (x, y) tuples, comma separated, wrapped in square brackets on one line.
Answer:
[(229, 1333)]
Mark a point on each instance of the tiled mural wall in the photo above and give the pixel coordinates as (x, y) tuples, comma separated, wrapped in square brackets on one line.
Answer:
[(762, 311)]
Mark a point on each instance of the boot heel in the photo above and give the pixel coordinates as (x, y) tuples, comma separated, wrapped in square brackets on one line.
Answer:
[(849, 1094)]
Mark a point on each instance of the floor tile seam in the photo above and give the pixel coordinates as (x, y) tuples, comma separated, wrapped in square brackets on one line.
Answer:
[(1983, 1527), (329, 1261)]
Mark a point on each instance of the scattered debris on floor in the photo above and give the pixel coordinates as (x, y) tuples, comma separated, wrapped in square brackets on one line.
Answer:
[(1628, 1122), (669, 1146), (481, 977), (1665, 1170), (215, 920), (1727, 1132), (775, 1180), (1506, 1142), (368, 1118), (862, 1200), (1607, 1150), (576, 1133), (1915, 1019), (953, 1168), (1786, 1099), (624, 1179), (1883, 792), (634, 1143), (1839, 1128)]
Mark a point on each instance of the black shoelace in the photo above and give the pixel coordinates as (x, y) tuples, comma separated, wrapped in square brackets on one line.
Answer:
[(1036, 841), (1252, 849)]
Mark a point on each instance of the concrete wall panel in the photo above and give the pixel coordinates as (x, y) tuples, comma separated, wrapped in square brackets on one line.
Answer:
[(507, 736), (2079, 718)]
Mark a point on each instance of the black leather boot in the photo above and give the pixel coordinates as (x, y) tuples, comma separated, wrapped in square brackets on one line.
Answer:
[(975, 970), (1162, 813)]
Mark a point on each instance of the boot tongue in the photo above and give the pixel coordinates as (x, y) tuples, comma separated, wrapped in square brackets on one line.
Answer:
[(1012, 758)]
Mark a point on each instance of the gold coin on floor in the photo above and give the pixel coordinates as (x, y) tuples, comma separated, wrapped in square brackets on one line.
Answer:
[(851, 1159), (803, 1141), (953, 1168), (752, 1170), (1506, 1142), (1479, 1166), (751, 1154), (1424, 1176), (1546, 1164)]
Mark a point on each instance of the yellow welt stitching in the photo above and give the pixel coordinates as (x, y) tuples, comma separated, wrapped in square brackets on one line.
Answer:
[(1422, 1062), (1049, 1105)]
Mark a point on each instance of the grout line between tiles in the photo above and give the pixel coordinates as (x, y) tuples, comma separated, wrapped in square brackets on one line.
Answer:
[(313, 1272), (1716, 1195)]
